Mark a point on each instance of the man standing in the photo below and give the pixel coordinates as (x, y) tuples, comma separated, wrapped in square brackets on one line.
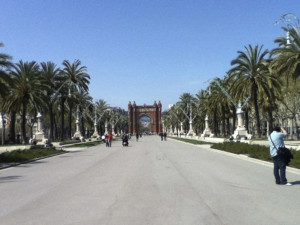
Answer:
[(276, 141)]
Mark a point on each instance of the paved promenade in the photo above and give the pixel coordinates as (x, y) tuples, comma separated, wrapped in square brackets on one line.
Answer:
[(151, 182)]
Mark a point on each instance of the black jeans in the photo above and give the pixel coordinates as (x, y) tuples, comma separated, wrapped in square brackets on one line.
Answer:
[(279, 170)]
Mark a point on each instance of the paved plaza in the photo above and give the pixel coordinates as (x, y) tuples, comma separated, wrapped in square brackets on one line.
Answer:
[(151, 182)]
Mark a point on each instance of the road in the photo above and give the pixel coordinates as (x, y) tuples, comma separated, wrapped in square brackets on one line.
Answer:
[(151, 182)]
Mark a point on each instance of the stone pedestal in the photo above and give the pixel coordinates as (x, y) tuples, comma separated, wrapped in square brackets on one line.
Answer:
[(39, 136), (240, 132), (78, 134), (191, 131), (207, 132), (95, 134)]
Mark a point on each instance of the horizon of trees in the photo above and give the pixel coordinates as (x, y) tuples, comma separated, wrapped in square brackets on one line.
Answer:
[(269, 79), (59, 94)]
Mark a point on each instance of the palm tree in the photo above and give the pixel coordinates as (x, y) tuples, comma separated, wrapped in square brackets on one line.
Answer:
[(27, 89), (84, 101), (219, 104), (78, 79), (4, 85), (186, 100), (287, 55), (202, 110), (50, 74), (250, 71), (5, 64), (101, 107)]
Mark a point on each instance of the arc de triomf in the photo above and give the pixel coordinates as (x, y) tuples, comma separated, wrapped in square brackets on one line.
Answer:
[(144, 118)]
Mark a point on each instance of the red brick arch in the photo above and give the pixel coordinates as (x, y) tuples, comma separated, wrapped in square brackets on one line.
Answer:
[(152, 111)]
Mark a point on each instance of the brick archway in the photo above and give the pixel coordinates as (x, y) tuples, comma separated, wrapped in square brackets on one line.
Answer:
[(135, 113)]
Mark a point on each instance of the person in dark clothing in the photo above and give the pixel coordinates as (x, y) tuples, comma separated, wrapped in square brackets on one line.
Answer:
[(137, 137), (161, 136)]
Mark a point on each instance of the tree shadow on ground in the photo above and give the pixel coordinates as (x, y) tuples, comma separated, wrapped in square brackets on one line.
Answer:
[(9, 179)]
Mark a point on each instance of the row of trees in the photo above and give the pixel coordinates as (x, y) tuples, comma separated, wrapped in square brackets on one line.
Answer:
[(27, 88), (269, 79)]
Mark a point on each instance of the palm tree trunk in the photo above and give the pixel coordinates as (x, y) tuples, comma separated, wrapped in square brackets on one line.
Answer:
[(51, 122), (215, 123), (233, 118), (223, 121), (82, 127), (23, 126), (12, 129), (62, 105), (55, 128), (247, 120), (228, 126), (256, 111), (70, 119), (270, 121)]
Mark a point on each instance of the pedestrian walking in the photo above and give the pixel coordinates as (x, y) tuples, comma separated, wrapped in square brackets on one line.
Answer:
[(165, 136), (276, 141), (110, 137), (161, 136), (106, 140), (137, 136)]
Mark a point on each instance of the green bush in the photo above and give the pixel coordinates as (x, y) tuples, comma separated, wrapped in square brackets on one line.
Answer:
[(192, 141), (85, 144), (254, 151), (18, 156), (69, 142)]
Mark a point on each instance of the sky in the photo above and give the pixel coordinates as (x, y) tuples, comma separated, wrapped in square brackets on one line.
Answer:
[(141, 50)]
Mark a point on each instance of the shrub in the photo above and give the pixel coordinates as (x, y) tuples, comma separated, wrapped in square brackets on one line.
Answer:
[(254, 151), (17, 156)]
